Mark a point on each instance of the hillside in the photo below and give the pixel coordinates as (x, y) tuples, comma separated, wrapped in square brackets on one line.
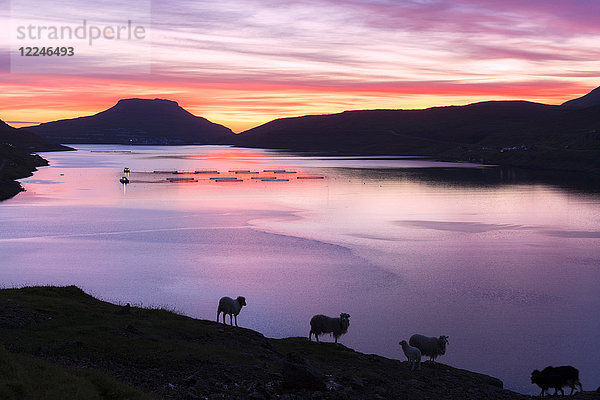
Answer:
[(175, 357), (15, 164), (27, 141), (591, 99), (15, 159), (137, 121), (505, 132)]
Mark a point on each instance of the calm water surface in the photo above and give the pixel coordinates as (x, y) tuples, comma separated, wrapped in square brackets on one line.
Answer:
[(510, 271)]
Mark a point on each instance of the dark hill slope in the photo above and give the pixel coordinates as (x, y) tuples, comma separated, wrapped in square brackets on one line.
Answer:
[(137, 121), (16, 160), (391, 130), (27, 141), (589, 100), (556, 136), (176, 357)]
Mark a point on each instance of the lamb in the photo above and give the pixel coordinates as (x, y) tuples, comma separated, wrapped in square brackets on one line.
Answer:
[(413, 354), (320, 324), (557, 378), (231, 307), (429, 346)]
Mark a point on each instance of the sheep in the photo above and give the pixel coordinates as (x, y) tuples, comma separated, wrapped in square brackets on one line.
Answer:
[(413, 355), (231, 307), (320, 324), (557, 378), (429, 346)]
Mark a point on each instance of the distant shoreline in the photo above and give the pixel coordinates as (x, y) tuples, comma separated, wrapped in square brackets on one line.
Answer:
[(16, 165)]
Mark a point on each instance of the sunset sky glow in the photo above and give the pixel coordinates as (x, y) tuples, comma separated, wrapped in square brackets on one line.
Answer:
[(243, 63)]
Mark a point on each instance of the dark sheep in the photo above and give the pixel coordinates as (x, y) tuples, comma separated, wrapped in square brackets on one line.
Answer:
[(432, 347), (320, 324), (557, 378)]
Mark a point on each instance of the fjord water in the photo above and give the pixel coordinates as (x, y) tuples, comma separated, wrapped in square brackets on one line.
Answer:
[(508, 269)]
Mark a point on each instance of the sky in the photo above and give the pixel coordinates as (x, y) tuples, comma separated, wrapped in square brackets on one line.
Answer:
[(244, 63)]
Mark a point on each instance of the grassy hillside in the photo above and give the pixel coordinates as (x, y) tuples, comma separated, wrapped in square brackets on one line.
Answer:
[(24, 377), (71, 336)]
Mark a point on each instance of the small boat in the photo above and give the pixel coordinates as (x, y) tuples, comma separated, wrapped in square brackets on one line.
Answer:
[(124, 180), (229, 180), (206, 172), (223, 178), (310, 177), (274, 170), (275, 180)]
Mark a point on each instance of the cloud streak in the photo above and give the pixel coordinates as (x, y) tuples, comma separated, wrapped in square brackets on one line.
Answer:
[(243, 63)]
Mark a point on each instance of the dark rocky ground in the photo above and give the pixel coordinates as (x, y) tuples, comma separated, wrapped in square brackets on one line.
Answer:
[(170, 356), (15, 164)]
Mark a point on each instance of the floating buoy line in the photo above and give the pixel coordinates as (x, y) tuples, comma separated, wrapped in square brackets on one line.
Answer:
[(216, 176)]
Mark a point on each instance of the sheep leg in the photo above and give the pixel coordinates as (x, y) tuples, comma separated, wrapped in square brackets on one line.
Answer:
[(231, 319), (310, 336), (218, 313), (235, 320)]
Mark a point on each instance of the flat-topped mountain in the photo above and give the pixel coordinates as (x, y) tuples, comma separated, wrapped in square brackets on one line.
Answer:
[(137, 121)]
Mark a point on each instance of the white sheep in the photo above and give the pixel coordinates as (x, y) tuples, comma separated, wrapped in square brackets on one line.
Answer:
[(429, 346), (413, 355), (231, 307), (320, 324)]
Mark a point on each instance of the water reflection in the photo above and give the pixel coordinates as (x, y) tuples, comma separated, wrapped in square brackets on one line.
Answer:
[(484, 255)]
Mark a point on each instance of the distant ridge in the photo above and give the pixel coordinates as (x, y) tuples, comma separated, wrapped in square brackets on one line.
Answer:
[(26, 141), (137, 121), (591, 99), (518, 133)]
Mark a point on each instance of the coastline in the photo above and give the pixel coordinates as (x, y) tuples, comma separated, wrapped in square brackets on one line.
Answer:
[(167, 355), (259, 327), (16, 165)]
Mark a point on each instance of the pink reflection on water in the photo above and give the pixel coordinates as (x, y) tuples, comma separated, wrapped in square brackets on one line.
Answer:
[(513, 265)]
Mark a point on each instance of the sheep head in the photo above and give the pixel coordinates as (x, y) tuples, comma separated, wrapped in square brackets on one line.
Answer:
[(345, 321), (535, 375), (241, 300), (443, 341)]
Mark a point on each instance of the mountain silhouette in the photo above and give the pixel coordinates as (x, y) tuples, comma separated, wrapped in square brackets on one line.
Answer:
[(589, 100), (517, 133), (26, 141), (137, 121)]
